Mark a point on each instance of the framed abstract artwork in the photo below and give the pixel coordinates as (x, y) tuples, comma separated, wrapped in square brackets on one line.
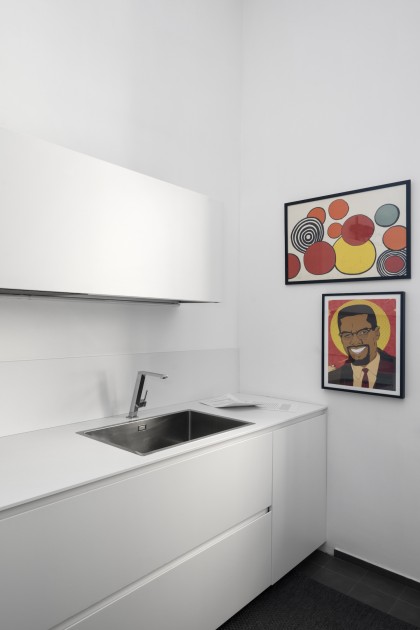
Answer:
[(363, 343), (356, 235)]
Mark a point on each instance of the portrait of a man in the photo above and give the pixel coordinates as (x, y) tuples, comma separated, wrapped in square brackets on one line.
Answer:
[(363, 338)]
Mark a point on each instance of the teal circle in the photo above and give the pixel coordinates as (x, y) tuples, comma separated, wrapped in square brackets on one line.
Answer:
[(387, 215)]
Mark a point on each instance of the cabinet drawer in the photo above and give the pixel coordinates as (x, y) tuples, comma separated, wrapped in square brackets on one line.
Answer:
[(61, 558), (201, 592)]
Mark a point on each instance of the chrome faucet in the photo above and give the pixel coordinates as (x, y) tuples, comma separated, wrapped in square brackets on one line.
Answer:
[(137, 400)]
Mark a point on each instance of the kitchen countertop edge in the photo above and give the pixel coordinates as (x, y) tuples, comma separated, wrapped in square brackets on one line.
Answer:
[(39, 465)]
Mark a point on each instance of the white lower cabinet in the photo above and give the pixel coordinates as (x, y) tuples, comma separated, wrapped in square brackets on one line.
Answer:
[(299, 492), (200, 593), (182, 545), (62, 558)]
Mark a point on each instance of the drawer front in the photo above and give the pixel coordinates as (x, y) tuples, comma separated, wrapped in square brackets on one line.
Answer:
[(86, 547), (201, 592)]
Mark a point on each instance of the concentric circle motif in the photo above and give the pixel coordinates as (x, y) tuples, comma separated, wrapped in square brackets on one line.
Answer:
[(392, 263), (293, 266), (387, 214), (306, 232)]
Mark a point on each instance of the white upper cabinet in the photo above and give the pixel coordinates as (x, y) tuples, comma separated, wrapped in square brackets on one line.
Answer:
[(75, 225)]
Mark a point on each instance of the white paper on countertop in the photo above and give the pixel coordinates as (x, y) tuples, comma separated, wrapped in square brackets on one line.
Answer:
[(229, 400)]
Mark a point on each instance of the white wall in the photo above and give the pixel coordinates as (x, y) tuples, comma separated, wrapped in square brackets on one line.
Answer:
[(152, 85), (331, 102)]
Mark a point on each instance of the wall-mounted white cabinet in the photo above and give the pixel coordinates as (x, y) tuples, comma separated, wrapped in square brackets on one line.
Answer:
[(75, 225)]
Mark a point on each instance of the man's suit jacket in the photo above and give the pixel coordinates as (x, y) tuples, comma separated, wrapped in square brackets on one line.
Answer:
[(385, 378)]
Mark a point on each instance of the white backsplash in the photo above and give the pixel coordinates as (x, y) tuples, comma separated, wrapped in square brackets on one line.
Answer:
[(41, 393)]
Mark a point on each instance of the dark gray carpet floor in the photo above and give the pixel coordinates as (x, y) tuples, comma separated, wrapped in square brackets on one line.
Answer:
[(298, 603)]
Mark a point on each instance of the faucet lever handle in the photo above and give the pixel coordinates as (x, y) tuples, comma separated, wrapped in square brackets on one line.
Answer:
[(142, 401), (137, 400)]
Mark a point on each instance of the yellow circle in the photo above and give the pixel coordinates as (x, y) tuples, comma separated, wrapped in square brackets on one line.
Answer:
[(354, 259), (381, 319)]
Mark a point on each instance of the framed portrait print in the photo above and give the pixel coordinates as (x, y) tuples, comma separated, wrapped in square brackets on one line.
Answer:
[(356, 235), (363, 343)]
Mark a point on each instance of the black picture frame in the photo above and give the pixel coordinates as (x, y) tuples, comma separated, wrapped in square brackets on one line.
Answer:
[(362, 234), (352, 342)]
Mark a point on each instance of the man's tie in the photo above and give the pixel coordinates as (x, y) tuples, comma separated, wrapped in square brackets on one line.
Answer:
[(365, 380)]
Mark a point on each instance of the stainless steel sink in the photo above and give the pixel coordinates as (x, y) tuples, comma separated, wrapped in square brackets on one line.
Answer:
[(148, 435)]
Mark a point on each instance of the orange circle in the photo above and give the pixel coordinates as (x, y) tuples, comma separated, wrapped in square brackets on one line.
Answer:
[(395, 238), (334, 230), (318, 213), (338, 209)]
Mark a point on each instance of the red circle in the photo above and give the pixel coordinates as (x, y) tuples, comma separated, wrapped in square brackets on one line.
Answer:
[(357, 229), (394, 264), (319, 258), (293, 266)]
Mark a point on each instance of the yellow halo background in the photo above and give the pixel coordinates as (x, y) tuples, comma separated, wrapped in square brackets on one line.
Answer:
[(381, 318)]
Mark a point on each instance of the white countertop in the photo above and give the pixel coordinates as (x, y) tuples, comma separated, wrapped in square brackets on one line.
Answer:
[(41, 463)]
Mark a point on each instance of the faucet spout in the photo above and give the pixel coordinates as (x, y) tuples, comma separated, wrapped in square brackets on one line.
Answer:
[(137, 401)]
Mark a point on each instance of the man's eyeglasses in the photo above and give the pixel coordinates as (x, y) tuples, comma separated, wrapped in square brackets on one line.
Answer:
[(362, 334)]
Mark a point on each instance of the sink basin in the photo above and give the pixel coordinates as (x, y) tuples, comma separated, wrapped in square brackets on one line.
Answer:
[(149, 435)]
